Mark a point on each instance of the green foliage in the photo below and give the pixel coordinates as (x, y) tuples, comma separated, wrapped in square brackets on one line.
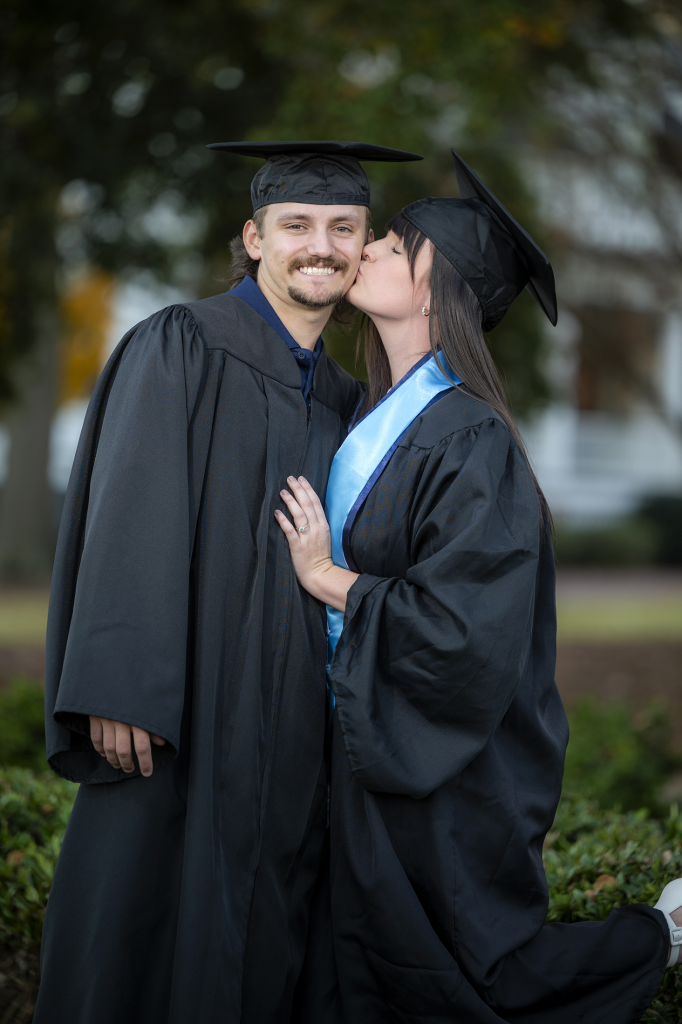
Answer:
[(617, 758), (117, 100), (22, 725), (34, 811), (663, 513), (599, 860), (595, 861), (631, 541), (652, 535)]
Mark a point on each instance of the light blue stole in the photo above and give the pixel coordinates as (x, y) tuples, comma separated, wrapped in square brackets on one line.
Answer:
[(364, 455)]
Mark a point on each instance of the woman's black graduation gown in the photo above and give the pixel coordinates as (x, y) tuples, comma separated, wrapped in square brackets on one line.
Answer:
[(448, 756), (184, 897)]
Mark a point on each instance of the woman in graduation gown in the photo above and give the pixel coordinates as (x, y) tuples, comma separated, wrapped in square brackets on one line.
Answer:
[(435, 561)]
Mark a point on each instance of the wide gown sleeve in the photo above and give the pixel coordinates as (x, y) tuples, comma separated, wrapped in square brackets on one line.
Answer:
[(117, 630), (427, 665)]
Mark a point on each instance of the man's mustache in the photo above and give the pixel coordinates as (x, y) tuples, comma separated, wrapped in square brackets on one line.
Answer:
[(319, 261)]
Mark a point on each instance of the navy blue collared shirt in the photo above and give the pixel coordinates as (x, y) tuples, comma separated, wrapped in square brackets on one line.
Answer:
[(249, 292)]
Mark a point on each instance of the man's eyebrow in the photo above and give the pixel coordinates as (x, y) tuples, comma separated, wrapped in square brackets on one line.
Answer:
[(308, 217), (351, 216), (293, 216)]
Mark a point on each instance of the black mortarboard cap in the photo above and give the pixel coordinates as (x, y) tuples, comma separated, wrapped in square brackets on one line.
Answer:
[(489, 248), (321, 173)]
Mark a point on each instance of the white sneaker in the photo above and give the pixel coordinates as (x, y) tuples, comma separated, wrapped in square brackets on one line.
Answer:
[(669, 901)]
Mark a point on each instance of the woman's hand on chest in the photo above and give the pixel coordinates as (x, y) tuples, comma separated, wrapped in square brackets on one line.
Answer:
[(310, 545)]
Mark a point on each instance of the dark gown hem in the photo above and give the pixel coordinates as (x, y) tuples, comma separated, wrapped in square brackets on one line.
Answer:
[(64, 710), (102, 772), (67, 776)]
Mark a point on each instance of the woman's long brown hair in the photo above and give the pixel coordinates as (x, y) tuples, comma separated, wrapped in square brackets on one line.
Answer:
[(455, 329)]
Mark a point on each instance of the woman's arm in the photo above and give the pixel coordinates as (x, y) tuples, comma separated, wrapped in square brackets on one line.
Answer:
[(430, 658), (310, 545)]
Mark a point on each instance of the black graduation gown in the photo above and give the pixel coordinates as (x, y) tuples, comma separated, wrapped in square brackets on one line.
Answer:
[(185, 896), (448, 756)]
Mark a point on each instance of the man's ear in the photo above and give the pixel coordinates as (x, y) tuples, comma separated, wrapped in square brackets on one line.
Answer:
[(252, 240), (370, 236)]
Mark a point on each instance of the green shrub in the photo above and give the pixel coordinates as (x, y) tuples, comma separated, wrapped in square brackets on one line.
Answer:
[(632, 541), (595, 859), (652, 535), (617, 757), (598, 860), (34, 810), (664, 514), (22, 725)]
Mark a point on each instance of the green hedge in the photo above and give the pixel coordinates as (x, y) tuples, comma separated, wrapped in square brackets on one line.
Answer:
[(595, 860), (34, 810), (653, 535), (618, 757), (598, 860), (627, 542), (22, 725)]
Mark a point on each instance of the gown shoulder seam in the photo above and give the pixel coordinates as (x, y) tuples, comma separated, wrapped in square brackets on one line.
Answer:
[(448, 437)]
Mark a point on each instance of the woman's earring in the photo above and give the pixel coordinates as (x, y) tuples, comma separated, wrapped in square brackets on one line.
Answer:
[(425, 311)]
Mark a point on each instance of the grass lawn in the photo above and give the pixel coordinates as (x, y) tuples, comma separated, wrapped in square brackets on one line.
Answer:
[(614, 618), (23, 617), (601, 618)]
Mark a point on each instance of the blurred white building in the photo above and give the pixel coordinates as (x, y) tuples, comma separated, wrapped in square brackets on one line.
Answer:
[(613, 436)]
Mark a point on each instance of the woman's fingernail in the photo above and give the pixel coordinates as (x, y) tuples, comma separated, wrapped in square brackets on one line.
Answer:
[(303, 480), (291, 479)]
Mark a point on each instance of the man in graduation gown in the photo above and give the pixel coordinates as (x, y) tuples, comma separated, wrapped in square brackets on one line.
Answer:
[(184, 884)]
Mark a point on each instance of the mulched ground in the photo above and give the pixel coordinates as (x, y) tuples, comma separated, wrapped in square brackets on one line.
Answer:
[(634, 672), (18, 984)]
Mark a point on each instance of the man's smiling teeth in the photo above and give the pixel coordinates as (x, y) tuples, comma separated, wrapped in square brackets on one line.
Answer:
[(318, 271)]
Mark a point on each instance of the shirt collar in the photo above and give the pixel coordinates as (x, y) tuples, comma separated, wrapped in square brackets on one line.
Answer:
[(249, 292)]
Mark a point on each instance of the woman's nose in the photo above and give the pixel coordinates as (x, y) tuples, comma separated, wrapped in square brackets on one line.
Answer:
[(368, 253)]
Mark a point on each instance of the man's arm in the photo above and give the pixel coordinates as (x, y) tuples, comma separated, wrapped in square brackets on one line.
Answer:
[(117, 628)]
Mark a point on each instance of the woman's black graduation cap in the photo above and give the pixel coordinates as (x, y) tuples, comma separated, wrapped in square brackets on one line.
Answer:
[(321, 173), (490, 249)]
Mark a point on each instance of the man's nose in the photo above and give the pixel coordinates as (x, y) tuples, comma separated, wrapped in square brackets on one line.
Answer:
[(320, 244)]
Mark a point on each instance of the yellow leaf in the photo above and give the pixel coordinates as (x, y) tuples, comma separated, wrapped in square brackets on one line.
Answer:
[(604, 881)]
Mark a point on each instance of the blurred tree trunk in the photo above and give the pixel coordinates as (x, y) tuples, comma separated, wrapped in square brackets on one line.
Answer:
[(26, 527)]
